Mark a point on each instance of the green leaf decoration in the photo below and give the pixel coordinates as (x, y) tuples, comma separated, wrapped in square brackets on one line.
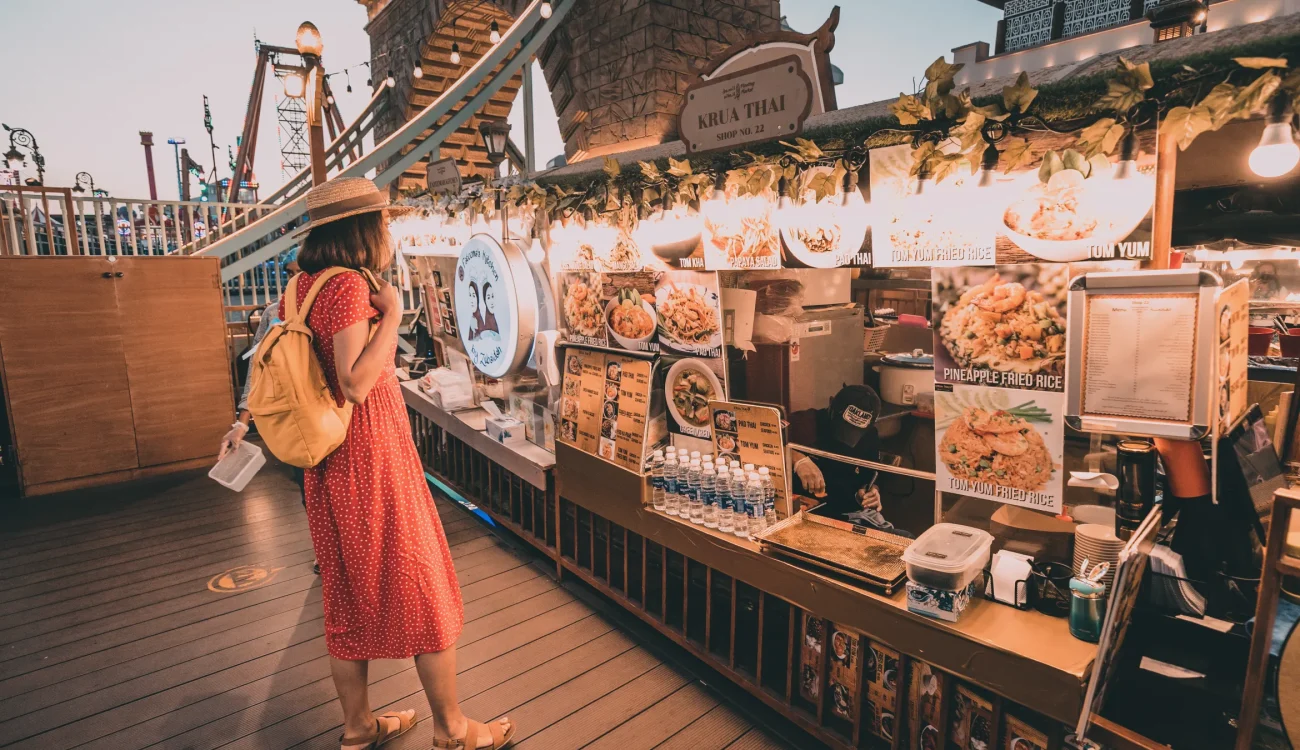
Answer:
[(939, 79), (1052, 163), (679, 168), (1255, 95), (1019, 97), (1185, 123), (611, 167), (910, 110), (1259, 63), (1219, 102), (649, 172), (1015, 153), (1101, 137)]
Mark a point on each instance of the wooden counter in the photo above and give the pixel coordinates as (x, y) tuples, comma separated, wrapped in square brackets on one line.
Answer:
[(1027, 657), (523, 459)]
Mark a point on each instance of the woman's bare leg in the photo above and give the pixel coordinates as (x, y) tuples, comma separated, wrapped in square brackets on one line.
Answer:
[(438, 676), (351, 679)]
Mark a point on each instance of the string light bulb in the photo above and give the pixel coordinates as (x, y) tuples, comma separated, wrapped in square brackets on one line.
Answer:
[(390, 81), (418, 72), (1277, 152), (546, 10), (455, 53), (495, 34)]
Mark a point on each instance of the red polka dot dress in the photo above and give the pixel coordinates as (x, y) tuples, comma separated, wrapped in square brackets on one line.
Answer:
[(388, 584)]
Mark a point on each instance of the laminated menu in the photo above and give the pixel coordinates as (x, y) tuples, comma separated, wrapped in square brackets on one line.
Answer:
[(927, 696), (604, 406), (812, 657), (972, 718), (883, 669), (1020, 734), (1139, 356), (845, 674), (751, 434)]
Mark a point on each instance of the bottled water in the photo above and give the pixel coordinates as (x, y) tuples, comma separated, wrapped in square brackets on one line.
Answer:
[(726, 522), (657, 481), (749, 468), (753, 502), (769, 504), (709, 491), (706, 459), (758, 521), (693, 492), (740, 519), (672, 504)]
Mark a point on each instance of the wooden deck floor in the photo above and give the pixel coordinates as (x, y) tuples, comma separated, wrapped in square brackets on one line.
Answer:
[(111, 638)]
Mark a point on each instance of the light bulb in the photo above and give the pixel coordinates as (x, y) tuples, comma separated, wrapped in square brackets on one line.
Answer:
[(1277, 152), (418, 72), (455, 53), (294, 86), (546, 10), (330, 99), (390, 82), (495, 36)]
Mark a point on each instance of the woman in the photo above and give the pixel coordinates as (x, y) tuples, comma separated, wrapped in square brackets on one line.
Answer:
[(476, 326), (389, 588), (490, 308)]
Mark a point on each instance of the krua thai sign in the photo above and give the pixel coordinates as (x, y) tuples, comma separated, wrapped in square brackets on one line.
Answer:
[(767, 101)]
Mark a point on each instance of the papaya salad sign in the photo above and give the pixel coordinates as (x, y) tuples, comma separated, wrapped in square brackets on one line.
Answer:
[(1055, 204), (676, 312), (999, 367)]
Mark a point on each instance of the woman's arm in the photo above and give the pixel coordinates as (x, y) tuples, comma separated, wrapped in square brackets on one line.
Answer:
[(359, 361)]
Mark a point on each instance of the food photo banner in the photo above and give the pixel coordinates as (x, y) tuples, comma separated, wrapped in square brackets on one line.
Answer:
[(1057, 204), (677, 312)]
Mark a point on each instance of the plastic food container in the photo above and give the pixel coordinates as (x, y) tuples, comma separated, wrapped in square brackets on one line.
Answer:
[(239, 466), (948, 556)]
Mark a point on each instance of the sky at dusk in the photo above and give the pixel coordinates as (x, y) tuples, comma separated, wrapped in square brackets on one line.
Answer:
[(85, 76)]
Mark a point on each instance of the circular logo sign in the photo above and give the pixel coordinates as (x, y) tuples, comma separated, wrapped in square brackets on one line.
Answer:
[(496, 317), (243, 578)]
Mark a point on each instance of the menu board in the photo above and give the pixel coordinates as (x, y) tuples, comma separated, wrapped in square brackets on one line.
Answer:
[(604, 404), (845, 673), (1001, 444), (972, 718), (812, 657), (751, 434), (1139, 356), (643, 311), (927, 700), (1052, 205), (1233, 320)]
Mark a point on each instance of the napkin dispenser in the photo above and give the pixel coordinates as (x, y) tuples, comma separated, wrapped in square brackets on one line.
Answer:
[(502, 428)]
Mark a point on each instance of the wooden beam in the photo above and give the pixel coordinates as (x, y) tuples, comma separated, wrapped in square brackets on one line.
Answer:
[(1162, 231)]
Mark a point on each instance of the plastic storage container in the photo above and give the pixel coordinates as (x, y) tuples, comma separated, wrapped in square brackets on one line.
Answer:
[(239, 466), (948, 556)]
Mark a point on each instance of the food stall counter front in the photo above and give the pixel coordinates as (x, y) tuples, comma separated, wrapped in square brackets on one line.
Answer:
[(1022, 655), (514, 482)]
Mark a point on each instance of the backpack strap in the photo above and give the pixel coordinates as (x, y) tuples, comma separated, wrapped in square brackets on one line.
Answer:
[(293, 313)]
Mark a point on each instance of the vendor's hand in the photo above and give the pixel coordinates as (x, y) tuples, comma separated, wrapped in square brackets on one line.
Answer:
[(869, 498), (386, 300), (811, 477), (232, 439)]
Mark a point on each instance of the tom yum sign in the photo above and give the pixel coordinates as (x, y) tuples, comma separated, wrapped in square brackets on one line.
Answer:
[(767, 101)]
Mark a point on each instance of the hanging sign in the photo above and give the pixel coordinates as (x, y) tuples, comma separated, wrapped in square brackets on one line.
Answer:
[(495, 316), (443, 176), (761, 103)]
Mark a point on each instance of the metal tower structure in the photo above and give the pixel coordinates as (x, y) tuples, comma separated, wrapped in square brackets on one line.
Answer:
[(291, 130)]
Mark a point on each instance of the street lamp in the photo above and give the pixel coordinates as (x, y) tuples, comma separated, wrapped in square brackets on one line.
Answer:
[(310, 45), (495, 134), (23, 137), (89, 182)]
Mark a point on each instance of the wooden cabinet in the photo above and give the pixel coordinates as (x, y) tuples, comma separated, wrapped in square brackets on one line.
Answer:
[(111, 369)]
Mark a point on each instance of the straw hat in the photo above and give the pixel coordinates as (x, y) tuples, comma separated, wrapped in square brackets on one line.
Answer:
[(344, 197)]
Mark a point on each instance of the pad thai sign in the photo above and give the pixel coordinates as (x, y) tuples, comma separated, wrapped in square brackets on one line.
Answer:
[(767, 101)]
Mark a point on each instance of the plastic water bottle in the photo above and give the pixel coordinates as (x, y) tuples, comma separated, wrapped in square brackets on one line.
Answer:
[(657, 481), (722, 488), (758, 523), (670, 476), (753, 503), (740, 519), (709, 491), (769, 502), (706, 459), (693, 492)]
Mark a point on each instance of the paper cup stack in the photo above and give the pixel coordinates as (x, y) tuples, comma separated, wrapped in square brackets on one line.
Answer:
[(1097, 544)]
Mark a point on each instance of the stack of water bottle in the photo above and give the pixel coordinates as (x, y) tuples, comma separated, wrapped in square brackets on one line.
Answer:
[(717, 494)]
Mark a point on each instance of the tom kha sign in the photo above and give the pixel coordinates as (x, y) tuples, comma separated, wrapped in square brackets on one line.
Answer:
[(760, 103)]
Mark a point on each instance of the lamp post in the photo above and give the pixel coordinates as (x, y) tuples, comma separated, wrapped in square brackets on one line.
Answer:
[(176, 144), (495, 134), (82, 181), (23, 137), (310, 46)]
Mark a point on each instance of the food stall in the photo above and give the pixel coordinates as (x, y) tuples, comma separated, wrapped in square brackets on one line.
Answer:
[(882, 413)]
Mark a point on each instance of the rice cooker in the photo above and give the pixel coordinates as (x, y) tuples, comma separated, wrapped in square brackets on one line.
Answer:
[(904, 377)]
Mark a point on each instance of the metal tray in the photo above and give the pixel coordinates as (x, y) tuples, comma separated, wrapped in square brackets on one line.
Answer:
[(869, 557)]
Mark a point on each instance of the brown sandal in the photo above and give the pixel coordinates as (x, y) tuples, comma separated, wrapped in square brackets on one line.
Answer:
[(405, 720), (500, 738)]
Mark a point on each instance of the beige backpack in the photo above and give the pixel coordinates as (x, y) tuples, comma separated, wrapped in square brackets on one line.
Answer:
[(289, 397)]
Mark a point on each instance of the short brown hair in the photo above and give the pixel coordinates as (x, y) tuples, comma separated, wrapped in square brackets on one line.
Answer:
[(357, 242)]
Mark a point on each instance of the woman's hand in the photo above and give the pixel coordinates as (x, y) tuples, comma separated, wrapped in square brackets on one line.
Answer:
[(232, 439), (811, 477), (869, 498), (387, 301)]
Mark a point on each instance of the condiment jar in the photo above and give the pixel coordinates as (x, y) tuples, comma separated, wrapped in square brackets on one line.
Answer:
[(1087, 609)]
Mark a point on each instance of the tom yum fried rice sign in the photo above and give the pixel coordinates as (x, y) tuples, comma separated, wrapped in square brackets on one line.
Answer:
[(764, 102)]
